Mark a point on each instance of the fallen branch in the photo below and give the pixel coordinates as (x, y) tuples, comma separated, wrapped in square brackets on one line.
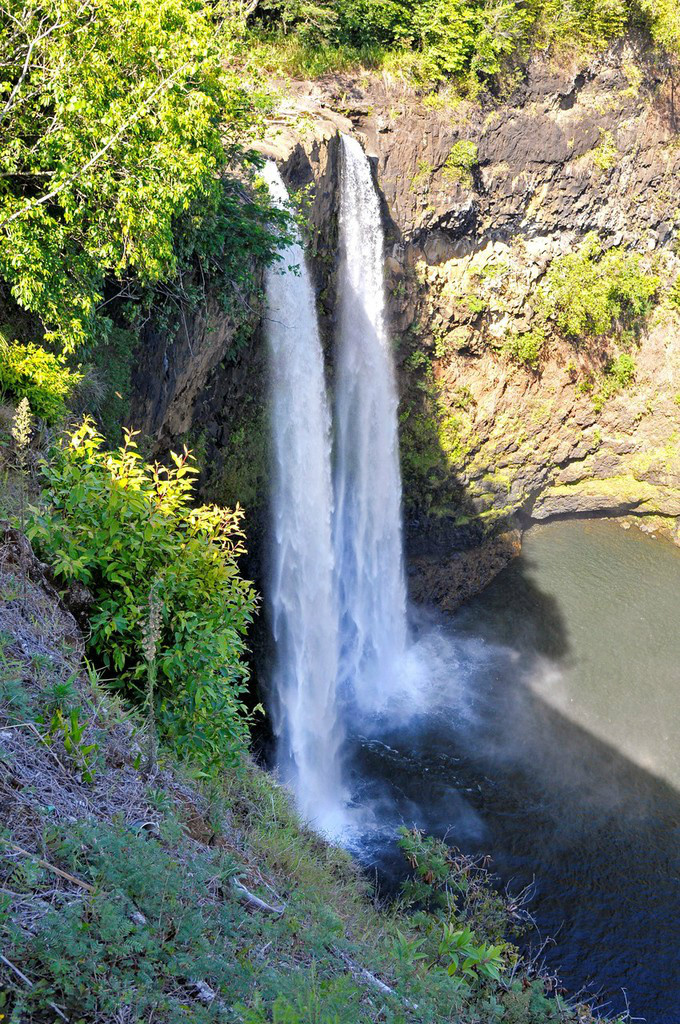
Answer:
[(251, 900), (48, 866), (29, 983), (361, 974)]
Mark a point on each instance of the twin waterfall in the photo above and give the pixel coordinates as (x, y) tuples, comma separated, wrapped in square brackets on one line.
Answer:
[(336, 593), (368, 544)]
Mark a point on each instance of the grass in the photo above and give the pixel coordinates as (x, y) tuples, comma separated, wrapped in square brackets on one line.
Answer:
[(289, 56)]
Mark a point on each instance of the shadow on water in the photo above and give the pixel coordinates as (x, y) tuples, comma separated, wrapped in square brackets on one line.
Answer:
[(597, 835), (503, 767), (523, 615)]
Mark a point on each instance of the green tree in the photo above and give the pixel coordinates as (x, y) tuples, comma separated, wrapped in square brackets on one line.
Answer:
[(124, 129)]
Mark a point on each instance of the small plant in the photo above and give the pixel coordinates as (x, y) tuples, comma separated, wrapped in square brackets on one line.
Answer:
[(71, 731), (674, 295), (424, 172), (468, 957), (492, 271), (150, 641), (476, 304), (618, 375), (442, 346), (21, 430), (606, 154), (461, 162), (462, 398), (417, 360)]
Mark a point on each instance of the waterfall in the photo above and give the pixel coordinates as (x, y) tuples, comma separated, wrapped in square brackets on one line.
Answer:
[(336, 592), (301, 588), (368, 534)]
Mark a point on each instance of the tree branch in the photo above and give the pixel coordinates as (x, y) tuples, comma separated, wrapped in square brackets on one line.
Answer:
[(34, 204), (24, 71)]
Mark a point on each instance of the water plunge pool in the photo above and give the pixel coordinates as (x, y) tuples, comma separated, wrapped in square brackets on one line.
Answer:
[(550, 738)]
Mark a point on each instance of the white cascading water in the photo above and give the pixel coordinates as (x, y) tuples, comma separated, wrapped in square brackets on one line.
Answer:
[(337, 592), (302, 585), (368, 533)]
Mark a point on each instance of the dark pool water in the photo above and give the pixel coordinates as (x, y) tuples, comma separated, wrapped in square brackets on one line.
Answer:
[(549, 737)]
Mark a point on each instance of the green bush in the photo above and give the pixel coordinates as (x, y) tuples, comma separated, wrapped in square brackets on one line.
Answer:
[(526, 348), (28, 371), (592, 292), (618, 374), (461, 161), (674, 294), (621, 371), (121, 527)]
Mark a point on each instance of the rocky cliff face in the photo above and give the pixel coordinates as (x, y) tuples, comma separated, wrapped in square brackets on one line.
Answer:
[(479, 199)]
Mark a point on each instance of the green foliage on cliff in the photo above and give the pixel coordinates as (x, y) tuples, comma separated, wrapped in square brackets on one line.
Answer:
[(122, 527), (526, 348), (430, 40), (595, 292), (461, 161), (28, 371), (664, 17), (618, 374)]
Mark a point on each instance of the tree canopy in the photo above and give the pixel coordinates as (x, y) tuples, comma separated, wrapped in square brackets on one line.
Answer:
[(123, 131)]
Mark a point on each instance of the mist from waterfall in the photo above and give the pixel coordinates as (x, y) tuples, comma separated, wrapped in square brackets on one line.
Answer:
[(368, 534), (302, 583)]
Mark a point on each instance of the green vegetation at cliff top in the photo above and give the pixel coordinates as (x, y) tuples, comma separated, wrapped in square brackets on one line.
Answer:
[(473, 41)]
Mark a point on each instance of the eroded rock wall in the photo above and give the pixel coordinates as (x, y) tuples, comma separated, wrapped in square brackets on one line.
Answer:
[(479, 199), (593, 147)]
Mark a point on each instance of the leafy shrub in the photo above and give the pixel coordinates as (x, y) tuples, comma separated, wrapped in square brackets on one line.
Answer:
[(526, 348), (475, 304), (674, 295), (621, 371), (28, 371), (71, 731), (592, 292), (445, 882), (461, 161), (121, 526), (606, 153), (619, 374)]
